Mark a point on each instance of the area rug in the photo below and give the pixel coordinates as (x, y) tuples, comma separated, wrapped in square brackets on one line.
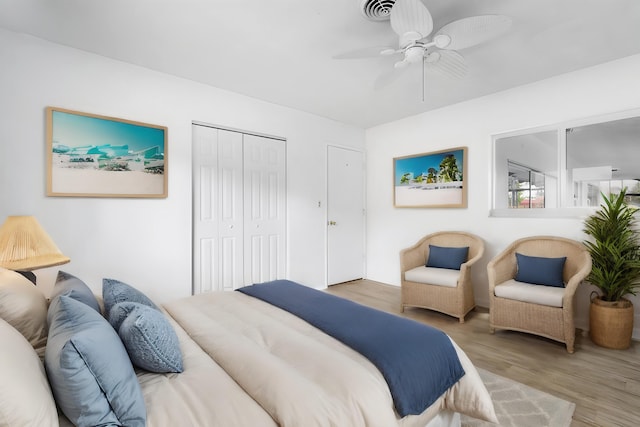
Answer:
[(518, 405)]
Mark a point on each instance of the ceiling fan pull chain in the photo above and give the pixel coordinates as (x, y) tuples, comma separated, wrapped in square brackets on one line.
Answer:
[(423, 79)]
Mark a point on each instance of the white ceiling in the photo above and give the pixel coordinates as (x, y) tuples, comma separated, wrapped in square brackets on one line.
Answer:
[(281, 50)]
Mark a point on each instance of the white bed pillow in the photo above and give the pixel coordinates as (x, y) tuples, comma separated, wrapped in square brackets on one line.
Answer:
[(25, 395), (24, 307)]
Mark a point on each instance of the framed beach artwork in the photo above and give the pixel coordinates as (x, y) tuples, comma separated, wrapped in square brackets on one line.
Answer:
[(433, 180), (96, 156)]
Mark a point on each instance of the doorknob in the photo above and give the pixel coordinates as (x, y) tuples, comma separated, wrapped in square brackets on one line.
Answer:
[(332, 223)]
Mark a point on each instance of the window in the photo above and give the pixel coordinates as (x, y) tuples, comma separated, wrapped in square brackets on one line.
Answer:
[(526, 187), (561, 170), (526, 171), (603, 158)]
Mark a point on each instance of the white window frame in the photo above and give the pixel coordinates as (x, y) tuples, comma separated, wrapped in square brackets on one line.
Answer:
[(563, 211)]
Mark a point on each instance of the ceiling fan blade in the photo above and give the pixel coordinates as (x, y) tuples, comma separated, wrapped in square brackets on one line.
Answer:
[(388, 77), (447, 63), (473, 30), (367, 52), (411, 20)]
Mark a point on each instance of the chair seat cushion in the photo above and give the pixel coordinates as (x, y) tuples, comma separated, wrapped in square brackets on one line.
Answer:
[(433, 276), (537, 294)]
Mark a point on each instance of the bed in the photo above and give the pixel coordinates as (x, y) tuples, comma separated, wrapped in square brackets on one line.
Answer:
[(245, 362)]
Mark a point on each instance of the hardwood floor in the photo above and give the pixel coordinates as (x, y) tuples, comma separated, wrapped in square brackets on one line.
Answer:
[(604, 384)]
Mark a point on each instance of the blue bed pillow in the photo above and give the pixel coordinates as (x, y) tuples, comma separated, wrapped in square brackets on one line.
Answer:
[(540, 270), (69, 285), (148, 336), (90, 373), (446, 257), (115, 291)]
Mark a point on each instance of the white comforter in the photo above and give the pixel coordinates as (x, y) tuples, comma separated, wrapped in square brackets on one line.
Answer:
[(273, 368)]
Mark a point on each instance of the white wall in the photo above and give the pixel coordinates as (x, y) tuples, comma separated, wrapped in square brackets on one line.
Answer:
[(598, 90), (146, 242)]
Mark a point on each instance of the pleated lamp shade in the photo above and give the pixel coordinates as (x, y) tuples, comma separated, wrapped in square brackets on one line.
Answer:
[(25, 246)]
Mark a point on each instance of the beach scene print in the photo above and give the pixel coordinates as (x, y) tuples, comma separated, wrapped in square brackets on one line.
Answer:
[(433, 179), (93, 155)]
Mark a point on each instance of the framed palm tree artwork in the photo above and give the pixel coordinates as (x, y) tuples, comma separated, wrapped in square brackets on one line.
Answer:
[(431, 180)]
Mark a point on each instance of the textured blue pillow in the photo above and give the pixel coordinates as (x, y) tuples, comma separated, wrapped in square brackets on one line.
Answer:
[(115, 291), (147, 335), (88, 368), (71, 286), (445, 257), (539, 270)]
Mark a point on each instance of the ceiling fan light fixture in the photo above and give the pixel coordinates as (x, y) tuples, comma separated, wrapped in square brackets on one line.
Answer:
[(414, 54), (442, 41)]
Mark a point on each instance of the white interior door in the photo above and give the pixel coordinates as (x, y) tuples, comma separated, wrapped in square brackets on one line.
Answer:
[(265, 209), (345, 215), (218, 210)]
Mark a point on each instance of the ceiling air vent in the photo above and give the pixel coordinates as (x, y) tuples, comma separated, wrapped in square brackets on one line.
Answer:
[(376, 10)]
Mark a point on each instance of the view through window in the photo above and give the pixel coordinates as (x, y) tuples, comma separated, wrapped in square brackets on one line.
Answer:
[(526, 187), (566, 166)]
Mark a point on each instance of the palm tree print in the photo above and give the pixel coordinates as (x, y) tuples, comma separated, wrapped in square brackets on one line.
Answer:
[(432, 176), (449, 170)]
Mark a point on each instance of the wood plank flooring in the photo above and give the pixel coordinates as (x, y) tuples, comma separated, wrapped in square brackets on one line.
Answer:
[(604, 384)]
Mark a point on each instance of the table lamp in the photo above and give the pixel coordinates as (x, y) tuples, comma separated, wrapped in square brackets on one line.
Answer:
[(25, 246)]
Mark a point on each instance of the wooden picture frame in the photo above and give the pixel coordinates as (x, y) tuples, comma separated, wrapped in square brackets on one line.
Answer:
[(89, 155), (431, 180)]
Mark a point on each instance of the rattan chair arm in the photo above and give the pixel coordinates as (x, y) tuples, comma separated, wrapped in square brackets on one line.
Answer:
[(576, 279), (411, 257), (501, 268), (465, 268), (476, 258)]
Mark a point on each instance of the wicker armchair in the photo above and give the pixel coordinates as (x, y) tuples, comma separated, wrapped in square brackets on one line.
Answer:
[(554, 322), (456, 300)]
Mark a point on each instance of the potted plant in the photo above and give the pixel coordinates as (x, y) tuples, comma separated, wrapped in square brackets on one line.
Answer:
[(615, 255)]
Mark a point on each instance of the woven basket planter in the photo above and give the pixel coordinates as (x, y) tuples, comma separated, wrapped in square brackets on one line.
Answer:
[(611, 323)]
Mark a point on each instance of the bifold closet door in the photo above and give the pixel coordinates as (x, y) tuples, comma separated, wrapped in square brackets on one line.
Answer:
[(264, 209), (218, 209), (239, 208)]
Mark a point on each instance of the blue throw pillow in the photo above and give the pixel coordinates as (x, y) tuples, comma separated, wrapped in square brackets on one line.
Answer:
[(147, 335), (445, 257), (88, 368), (71, 286), (115, 291), (539, 270)]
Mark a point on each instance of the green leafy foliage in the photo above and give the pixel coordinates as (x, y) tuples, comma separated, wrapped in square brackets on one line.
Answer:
[(614, 249), (449, 170)]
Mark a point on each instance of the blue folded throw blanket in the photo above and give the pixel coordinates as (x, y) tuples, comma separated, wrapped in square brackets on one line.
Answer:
[(418, 362)]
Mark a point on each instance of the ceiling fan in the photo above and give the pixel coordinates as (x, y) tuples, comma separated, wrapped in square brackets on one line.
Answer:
[(411, 20)]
